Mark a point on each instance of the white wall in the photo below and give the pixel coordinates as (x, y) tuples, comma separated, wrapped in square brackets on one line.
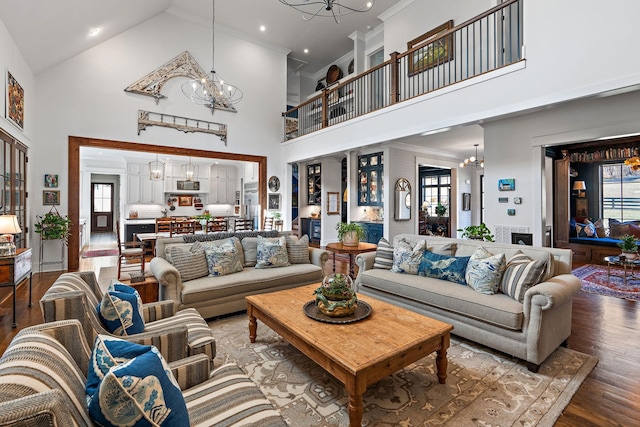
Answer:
[(85, 96)]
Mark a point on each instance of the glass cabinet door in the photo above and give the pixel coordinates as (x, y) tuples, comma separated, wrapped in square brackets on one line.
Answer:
[(13, 173), (370, 173)]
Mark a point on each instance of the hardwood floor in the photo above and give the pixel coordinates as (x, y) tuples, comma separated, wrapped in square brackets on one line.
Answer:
[(606, 327)]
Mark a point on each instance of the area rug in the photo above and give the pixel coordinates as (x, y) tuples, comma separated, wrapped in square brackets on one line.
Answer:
[(483, 387), (100, 252), (595, 279)]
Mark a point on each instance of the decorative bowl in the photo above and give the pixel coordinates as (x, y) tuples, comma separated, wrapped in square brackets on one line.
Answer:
[(335, 297)]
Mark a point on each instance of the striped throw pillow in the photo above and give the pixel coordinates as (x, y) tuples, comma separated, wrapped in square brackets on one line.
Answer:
[(384, 255), (191, 262), (298, 249), (522, 273)]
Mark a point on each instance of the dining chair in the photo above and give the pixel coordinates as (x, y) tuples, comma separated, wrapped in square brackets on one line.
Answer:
[(217, 224), (182, 227), (130, 254), (268, 223), (243, 225), (163, 225)]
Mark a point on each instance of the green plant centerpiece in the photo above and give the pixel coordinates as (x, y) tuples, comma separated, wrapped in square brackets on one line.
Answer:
[(629, 245), (335, 297), (477, 232), (53, 226), (441, 210), (350, 233), (204, 218)]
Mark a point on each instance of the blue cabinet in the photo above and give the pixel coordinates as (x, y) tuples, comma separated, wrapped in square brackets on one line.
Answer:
[(370, 174), (374, 231)]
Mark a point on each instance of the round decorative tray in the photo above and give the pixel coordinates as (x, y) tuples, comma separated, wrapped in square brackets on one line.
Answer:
[(362, 312)]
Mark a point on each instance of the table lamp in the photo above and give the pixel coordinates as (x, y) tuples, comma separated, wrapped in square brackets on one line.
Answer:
[(8, 227), (580, 188)]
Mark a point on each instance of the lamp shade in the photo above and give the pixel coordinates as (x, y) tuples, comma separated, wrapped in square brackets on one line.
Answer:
[(579, 186), (9, 224)]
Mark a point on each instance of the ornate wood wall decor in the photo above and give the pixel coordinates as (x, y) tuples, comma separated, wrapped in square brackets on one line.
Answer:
[(183, 65), (184, 124)]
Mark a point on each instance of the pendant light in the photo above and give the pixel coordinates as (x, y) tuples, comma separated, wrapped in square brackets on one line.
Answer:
[(190, 171), (156, 170)]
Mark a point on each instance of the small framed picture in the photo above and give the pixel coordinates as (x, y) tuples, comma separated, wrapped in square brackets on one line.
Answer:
[(51, 197), (517, 200), (185, 200), (511, 212), (50, 180), (508, 184), (15, 101), (503, 200), (274, 202)]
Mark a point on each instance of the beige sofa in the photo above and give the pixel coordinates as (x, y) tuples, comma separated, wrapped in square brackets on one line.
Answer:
[(215, 296), (530, 330)]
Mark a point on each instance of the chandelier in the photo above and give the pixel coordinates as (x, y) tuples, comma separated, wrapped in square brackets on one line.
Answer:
[(473, 160), (208, 91), (190, 171), (329, 8), (156, 170)]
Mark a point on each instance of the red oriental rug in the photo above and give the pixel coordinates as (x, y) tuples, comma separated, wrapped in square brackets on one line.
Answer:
[(596, 280), (100, 252)]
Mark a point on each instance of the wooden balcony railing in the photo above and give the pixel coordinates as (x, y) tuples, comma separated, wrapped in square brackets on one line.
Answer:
[(440, 58)]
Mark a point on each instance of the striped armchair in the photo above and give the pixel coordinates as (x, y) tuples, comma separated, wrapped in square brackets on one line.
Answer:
[(44, 370), (175, 334)]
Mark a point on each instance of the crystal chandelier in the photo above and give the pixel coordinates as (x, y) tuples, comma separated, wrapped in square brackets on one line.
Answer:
[(329, 8), (190, 171), (208, 91), (473, 160), (156, 170)]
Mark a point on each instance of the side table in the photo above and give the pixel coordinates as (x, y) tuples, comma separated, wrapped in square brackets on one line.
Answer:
[(625, 263), (15, 269), (352, 251), (148, 289)]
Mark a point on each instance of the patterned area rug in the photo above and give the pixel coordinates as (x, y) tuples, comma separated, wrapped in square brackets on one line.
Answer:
[(595, 279), (484, 387), (100, 252)]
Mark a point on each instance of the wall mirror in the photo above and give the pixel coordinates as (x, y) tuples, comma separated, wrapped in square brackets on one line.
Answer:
[(402, 211)]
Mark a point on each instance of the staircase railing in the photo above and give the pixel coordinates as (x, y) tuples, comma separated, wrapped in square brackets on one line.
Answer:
[(441, 57)]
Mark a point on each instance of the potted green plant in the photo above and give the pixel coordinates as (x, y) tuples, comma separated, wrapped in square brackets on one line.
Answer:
[(53, 226), (477, 232), (629, 246), (350, 233), (441, 210)]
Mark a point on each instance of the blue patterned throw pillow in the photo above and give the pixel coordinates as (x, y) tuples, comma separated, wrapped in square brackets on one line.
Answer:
[(120, 310), (485, 271), (443, 267), (407, 259), (272, 252), (223, 259), (130, 384)]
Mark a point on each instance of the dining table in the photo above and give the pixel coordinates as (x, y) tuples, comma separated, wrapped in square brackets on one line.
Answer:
[(151, 239)]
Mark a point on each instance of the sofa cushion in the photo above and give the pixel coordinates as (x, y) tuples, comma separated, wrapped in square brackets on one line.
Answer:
[(272, 252), (443, 248), (617, 229), (521, 274), (485, 271), (297, 249), (250, 248), (223, 259), (384, 255), (120, 310), (406, 259), (190, 261), (443, 267), (133, 391), (601, 228), (586, 230), (247, 282), (498, 309)]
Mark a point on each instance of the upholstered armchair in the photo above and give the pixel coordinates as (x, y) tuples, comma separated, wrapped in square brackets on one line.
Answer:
[(175, 334), (44, 370)]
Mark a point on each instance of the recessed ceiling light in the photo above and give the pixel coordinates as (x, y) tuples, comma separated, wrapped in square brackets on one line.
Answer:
[(263, 28), (306, 51), (94, 32)]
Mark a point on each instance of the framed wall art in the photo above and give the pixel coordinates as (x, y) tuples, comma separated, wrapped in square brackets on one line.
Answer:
[(51, 197), (466, 201), (274, 202), (15, 101), (508, 184), (435, 50), (185, 200), (333, 204), (50, 180)]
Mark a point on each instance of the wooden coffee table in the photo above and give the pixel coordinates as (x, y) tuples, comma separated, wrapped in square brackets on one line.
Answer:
[(357, 354)]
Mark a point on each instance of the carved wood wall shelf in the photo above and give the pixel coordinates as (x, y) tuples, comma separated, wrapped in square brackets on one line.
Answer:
[(184, 124)]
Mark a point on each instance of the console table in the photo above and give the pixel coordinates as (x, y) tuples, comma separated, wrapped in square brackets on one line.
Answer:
[(15, 269)]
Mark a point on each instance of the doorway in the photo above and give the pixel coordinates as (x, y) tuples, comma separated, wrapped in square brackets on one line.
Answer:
[(102, 211)]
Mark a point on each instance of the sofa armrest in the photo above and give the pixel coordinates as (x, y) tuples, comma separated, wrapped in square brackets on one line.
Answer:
[(555, 291), (172, 342), (169, 280), (318, 257), (191, 370), (44, 408), (364, 261), (158, 310)]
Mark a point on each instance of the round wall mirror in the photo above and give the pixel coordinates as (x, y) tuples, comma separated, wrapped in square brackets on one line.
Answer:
[(274, 183)]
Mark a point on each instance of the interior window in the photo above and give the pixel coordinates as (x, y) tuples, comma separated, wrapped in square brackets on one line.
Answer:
[(620, 192)]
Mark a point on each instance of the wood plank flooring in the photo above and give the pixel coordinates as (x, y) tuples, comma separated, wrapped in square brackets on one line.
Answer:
[(606, 327)]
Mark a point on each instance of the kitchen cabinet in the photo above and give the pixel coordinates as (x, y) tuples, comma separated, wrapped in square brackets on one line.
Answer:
[(131, 229), (374, 231), (370, 183), (222, 185), (141, 189), (314, 184), (250, 171)]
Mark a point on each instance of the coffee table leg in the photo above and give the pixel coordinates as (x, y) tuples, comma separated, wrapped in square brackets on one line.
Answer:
[(441, 360), (355, 410), (253, 325)]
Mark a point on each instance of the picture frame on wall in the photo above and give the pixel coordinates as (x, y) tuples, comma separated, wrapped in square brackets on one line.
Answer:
[(274, 202), (435, 50), (51, 197), (333, 203), (50, 180), (466, 201), (185, 200), (508, 184), (15, 101)]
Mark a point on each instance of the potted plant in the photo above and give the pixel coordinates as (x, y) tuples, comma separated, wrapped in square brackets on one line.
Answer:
[(441, 210), (351, 233), (204, 219), (477, 232), (629, 246), (53, 226)]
